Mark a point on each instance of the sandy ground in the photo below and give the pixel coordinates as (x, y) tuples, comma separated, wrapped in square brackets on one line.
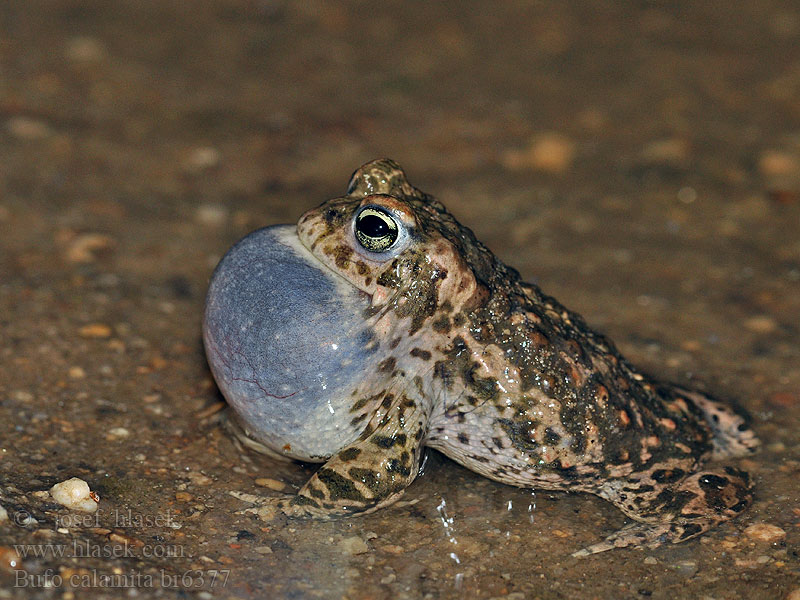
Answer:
[(640, 161)]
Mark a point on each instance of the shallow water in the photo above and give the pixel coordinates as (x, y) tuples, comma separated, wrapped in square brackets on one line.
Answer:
[(640, 162)]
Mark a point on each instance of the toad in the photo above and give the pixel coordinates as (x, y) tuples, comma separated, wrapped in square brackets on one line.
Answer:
[(379, 326)]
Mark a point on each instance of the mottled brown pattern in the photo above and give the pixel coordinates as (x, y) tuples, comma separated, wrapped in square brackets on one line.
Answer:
[(505, 380)]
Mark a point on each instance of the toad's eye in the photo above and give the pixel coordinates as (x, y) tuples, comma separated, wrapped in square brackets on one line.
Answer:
[(375, 229)]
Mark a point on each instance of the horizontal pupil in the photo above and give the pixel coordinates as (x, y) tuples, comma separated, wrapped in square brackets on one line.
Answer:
[(373, 226)]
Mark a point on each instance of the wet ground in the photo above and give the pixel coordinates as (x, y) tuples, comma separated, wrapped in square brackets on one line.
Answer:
[(640, 161)]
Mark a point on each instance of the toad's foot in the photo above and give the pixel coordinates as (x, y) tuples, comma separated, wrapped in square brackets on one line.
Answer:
[(370, 473), (675, 514)]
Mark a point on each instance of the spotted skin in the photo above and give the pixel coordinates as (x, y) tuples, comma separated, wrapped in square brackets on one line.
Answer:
[(503, 379)]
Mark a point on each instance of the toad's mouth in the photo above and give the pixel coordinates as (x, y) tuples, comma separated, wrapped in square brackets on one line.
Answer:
[(287, 343)]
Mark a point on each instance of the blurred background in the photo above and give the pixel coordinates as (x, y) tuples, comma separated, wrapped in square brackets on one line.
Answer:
[(638, 160)]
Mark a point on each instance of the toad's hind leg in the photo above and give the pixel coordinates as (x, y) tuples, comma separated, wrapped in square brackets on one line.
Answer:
[(672, 514)]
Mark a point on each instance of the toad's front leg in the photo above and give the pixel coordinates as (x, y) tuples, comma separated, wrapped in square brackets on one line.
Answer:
[(370, 473)]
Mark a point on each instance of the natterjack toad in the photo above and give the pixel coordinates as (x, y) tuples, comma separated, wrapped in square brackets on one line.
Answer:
[(380, 325)]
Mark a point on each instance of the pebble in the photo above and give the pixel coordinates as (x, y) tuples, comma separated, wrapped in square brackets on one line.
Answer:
[(25, 128), (353, 545), (561, 534), (650, 560), (95, 330), (764, 532), (670, 151), (211, 214), (76, 373), (118, 432), (75, 494), (83, 248), (777, 163), (793, 595), (761, 324), (548, 152), (263, 550), (85, 49), (272, 484), (22, 396), (199, 479), (3, 515), (201, 159), (763, 559)]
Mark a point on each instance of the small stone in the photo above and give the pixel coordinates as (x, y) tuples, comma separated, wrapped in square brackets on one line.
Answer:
[(118, 432), (75, 494), (22, 396), (650, 560), (83, 248), (393, 549), (199, 479), (761, 324), (76, 373), (691, 345), (3, 515), (95, 330), (263, 550), (25, 128), (670, 151), (211, 215), (687, 195), (183, 497), (764, 532), (353, 545), (763, 559), (561, 534), (272, 484), (85, 50), (200, 159), (548, 152), (777, 163)]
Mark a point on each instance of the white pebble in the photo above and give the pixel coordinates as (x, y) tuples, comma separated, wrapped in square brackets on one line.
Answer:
[(75, 494), (119, 432), (3, 515)]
